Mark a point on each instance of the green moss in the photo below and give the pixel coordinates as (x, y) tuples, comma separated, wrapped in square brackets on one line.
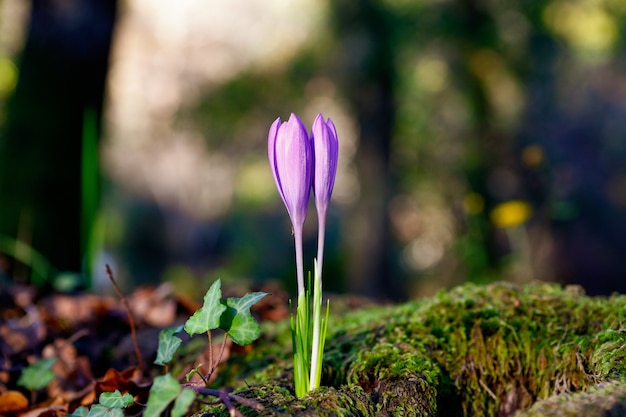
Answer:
[(605, 399), (349, 401), (471, 351)]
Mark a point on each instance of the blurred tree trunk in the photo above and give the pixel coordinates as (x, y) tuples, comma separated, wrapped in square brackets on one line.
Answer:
[(492, 170), (366, 54), (62, 75)]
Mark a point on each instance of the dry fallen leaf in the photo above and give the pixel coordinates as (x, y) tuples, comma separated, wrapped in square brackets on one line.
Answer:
[(155, 306), (129, 380), (51, 408), (90, 334), (62, 310), (12, 402)]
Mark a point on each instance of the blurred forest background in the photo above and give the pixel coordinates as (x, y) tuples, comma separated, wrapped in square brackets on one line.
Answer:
[(479, 140)]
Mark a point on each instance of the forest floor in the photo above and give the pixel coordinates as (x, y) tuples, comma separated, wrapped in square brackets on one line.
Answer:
[(60, 351), (492, 350)]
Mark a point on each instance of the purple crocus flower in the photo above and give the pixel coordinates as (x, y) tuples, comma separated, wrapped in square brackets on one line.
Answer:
[(291, 160), (326, 151)]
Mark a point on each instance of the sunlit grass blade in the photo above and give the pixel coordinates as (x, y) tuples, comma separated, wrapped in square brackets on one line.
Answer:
[(301, 345), (308, 331), (42, 271), (317, 371), (319, 335)]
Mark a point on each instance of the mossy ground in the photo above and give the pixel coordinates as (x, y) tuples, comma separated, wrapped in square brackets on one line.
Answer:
[(493, 350)]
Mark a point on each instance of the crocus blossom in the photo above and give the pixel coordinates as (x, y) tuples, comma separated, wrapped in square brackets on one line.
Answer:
[(291, 160), (299, 164), (326, 151)]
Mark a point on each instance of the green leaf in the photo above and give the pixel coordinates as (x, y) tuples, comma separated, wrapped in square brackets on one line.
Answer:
[(301, 343), (37, 375), (168, 344), (81, 411), (182, 403), (115, 399), (165, 389), (237, 320), (195, 370), (208, 317), (320, 326), (98, 410)]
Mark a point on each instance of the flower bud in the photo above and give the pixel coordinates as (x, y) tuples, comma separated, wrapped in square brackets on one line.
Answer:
[(291, 160), (326, 151)]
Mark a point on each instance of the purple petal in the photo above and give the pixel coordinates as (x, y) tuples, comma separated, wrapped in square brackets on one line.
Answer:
[(293, 158), (271, 153), (326, 149)]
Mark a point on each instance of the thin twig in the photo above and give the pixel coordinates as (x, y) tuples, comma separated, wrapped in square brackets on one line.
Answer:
[(205, 380), (219, 357), (211, 366), (230, 397), (207, 402), (232, 411), (247, 401), (131, 321), (490, 392)]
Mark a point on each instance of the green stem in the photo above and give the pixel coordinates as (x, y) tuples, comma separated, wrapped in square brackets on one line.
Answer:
[(297, 236), (319, 334), (321, 231), (314, 380), (301, 345)]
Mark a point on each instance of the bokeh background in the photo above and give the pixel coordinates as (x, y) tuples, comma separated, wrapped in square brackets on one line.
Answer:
[(480, 140)]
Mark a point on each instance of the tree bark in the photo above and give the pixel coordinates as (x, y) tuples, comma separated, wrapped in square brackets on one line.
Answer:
[(62, 74), (366, 57)]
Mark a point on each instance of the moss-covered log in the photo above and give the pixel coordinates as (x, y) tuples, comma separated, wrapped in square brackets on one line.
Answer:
[(497, 350)]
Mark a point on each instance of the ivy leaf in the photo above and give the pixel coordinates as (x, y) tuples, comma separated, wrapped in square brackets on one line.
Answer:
[(164, 390), (81, 411), (168, 344), (182, 403), (237, 320), (208, 317), (37, 375), (98, 410), (195, 370), (115, 399)]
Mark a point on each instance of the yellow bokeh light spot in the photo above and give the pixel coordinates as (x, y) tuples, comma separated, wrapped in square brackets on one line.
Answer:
[(501, 86), (485, 62), (532, 155), (511, 213), (473, 203), (8, 76), (432, 74), (585, 25)]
